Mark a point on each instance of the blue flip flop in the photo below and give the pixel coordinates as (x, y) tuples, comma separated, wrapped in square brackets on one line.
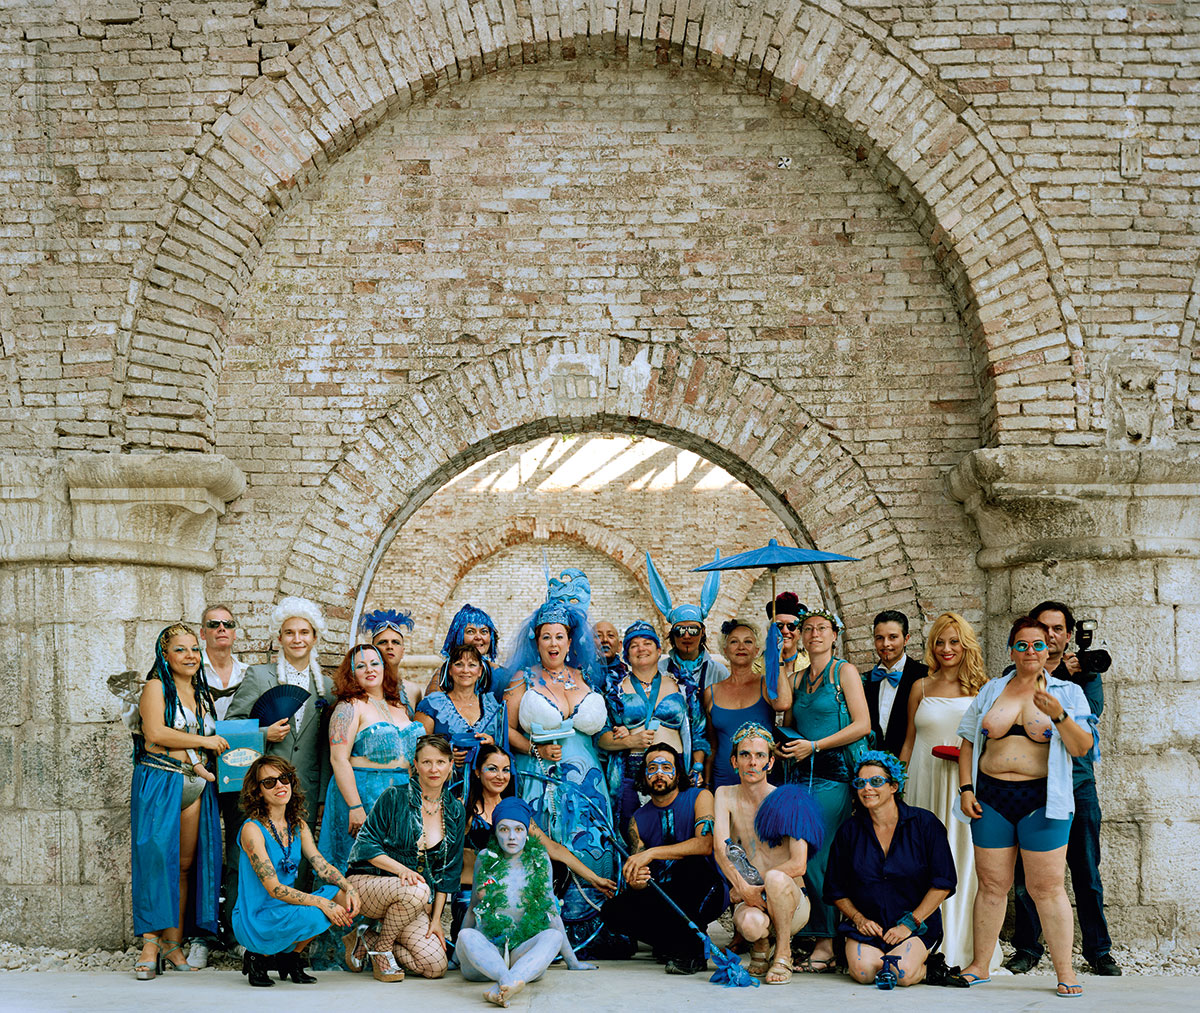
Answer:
[(1069, 995), (974, 979)]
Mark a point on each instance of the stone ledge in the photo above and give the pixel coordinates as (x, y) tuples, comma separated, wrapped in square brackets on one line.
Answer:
[(150, 510), (1036, 505)]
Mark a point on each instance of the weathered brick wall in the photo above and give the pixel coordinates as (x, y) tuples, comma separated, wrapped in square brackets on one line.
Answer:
[(461, 226), (105, 110)]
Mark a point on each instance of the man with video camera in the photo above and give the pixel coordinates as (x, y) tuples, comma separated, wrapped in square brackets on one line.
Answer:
[(1083, 667)]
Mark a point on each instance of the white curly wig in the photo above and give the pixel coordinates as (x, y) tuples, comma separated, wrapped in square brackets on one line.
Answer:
[(293, 607)]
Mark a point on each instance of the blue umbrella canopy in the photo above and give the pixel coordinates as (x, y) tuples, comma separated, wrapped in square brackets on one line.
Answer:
[(773, 555)]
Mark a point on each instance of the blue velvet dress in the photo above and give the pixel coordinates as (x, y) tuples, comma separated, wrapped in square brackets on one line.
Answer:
[(263, 924)]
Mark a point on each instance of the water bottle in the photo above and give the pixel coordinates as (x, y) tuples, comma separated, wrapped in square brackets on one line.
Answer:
[(739, 860)]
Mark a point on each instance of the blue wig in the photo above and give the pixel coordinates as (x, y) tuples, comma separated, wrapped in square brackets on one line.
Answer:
[(466, 616), (881, 758), (790, 811)]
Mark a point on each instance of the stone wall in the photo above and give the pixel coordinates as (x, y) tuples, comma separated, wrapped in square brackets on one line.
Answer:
[(350, 251)]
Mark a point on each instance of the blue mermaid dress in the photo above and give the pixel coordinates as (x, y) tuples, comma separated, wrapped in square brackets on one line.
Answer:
[(381, 742), (570, 799), (263, 924)]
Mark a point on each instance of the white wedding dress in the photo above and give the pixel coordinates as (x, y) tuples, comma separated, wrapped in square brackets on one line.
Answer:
[(933, 785)]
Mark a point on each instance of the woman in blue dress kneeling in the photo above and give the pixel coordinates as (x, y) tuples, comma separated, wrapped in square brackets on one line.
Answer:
[(271, 916)]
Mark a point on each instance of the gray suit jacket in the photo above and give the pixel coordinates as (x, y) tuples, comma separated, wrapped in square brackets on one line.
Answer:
[(308, 752)]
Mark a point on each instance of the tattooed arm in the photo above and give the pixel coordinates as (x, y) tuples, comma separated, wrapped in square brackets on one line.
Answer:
[(343, 726), (320, 865), (255, 848)]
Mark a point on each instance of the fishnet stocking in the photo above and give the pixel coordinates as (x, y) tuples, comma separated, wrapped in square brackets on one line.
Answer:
[(403, 923)]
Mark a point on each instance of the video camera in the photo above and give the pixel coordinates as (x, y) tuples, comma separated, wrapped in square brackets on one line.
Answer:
[(1092, 662)]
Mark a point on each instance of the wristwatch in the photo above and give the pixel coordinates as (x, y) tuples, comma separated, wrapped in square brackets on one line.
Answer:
[(1060, 719), (964, 788)]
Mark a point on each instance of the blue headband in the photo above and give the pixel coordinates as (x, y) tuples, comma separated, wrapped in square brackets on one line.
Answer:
[(512, 808), (639, 628)]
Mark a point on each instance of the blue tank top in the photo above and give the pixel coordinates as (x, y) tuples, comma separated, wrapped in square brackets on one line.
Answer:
[(725, 722)]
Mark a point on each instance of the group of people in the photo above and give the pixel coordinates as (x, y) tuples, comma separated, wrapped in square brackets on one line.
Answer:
[(595, 791)]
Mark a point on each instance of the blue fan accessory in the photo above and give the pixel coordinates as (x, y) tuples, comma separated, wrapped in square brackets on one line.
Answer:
[(279, 702)]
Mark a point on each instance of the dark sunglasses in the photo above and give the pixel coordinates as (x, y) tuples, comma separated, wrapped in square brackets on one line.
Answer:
[(216, 624), (792, 627), (685, 631), (270, 782)]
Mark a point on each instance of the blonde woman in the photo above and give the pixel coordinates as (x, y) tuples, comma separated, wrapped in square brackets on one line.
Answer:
[(935, 708)]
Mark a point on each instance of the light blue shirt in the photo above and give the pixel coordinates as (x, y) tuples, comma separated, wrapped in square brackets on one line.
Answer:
[(1060, 790)]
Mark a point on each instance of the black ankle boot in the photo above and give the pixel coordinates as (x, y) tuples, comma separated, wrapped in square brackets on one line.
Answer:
[(291, 965), (254, 967)]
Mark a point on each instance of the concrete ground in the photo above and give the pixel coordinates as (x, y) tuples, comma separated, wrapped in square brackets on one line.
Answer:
[(617, 986)]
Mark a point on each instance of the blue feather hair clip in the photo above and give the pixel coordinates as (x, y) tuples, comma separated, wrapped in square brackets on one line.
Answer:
[(385, 619)]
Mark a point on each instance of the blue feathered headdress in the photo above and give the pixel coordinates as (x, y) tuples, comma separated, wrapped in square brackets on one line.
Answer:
[(385, 619), (466, 616), (790, 811)]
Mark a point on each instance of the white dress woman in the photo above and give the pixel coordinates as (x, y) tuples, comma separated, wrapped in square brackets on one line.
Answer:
[(936, 707)]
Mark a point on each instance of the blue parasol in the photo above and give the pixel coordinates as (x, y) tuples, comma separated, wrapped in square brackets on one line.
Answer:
[(773, 556)]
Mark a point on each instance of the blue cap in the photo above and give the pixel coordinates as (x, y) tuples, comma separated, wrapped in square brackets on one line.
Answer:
[(639, 628), (512, 808)]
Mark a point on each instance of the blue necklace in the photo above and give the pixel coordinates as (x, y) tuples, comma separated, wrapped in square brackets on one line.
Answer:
[(287, 866)]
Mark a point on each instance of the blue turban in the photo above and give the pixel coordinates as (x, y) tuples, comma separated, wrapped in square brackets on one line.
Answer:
[(639, 628), (512, 808)]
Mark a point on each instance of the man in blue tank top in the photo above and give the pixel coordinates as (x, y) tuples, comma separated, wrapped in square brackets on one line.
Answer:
[(672, 845)]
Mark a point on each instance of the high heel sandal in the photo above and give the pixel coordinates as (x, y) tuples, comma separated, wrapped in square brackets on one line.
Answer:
[(147, 970), (170, 964), (355, 948), (384, 966)]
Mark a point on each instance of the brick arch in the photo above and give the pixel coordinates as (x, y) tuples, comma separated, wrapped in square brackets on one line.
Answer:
[(631, 557), (758, 434), (823, 59)]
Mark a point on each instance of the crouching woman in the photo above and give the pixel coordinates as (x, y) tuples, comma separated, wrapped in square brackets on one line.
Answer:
[(271, 916)]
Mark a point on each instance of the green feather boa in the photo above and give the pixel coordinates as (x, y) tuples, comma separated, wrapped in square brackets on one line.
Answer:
[(491, 894)]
